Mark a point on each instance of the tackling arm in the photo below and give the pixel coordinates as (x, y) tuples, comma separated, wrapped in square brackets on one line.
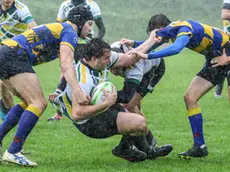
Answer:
[(126, 60), (66, 57), (173, 49)]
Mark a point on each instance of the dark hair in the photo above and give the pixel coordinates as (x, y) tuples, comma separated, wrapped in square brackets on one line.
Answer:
[(77, 2), (78, 16), (157, 21), (96, 47)]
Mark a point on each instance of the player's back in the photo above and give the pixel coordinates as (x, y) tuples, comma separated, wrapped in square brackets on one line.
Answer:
[(42, 43), (204, 39)]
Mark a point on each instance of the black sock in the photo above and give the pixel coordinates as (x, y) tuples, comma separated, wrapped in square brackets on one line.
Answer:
[(141, 143), (59, 113), (150, 138), (125, 142)]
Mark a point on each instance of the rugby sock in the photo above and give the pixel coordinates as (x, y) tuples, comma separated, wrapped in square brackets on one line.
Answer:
[(12, 119), (26, 123), (196, 122), (125, 142), (141, 143), (149, 137), (59, 113)]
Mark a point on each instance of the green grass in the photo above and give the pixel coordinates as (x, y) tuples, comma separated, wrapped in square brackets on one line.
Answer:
[(59, 146)]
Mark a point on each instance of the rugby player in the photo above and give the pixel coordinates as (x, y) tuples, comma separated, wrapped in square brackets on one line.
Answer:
[(226, 26), (89, 119), (64, 9), (66, 6), (204, 40), (15, 18), (139, 80), (33, 47)]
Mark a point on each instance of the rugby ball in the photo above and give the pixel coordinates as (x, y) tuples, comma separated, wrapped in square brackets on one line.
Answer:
[(97, 95)]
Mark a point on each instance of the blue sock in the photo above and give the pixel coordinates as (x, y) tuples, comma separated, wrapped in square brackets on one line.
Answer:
[(26, 123), (196, 122), (12, 119)]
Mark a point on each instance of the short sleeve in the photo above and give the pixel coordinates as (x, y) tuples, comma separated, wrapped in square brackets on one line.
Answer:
[(25, 15), (95, 9), (184, 31), (69, 37), (61, 15)]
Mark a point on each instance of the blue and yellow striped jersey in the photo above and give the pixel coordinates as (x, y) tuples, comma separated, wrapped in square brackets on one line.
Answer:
[(204, 39), (41, 44)]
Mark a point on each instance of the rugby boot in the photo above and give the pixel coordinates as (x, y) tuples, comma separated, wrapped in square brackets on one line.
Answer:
[(132, 154), (195, 152), (160, 151), (19, 159)]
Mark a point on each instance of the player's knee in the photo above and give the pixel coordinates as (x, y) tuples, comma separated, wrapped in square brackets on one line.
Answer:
[(41, 104), (189, 98), (141, 125)]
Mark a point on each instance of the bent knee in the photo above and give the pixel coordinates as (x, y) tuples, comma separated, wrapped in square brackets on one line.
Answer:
[(40, 104), (141, 124), (189, 98)]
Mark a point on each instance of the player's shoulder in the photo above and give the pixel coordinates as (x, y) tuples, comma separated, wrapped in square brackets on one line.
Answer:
[(20, 6), (84, 76), (92, 4), (181, 23), (66, 3), (67, 27)]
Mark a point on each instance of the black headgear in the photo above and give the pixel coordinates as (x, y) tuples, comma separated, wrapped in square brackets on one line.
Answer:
[(79, 15), (77, 2)]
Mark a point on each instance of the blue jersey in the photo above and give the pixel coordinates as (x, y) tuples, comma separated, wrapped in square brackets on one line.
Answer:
[(204, 39), (41, 44)]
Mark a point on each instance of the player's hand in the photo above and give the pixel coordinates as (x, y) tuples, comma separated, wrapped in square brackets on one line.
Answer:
[(137, 53), (127, 42), (221, 60), (53, 96), (153, 36), (110, 98)]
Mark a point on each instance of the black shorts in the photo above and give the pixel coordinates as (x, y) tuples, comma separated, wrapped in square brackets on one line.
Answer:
[(12, 64), (151, 79), (215, 74), (103, 125)]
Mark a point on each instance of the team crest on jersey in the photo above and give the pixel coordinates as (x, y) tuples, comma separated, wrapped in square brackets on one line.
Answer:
[(75, 39)]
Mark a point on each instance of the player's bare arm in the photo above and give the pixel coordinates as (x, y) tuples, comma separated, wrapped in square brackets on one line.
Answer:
[(66, 57), (85, 111)]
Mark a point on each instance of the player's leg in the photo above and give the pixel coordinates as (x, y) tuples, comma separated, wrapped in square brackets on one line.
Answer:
[(197, 88), (61, 87), (105, 125), (6, 102), (219, 88), (36, 104)]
